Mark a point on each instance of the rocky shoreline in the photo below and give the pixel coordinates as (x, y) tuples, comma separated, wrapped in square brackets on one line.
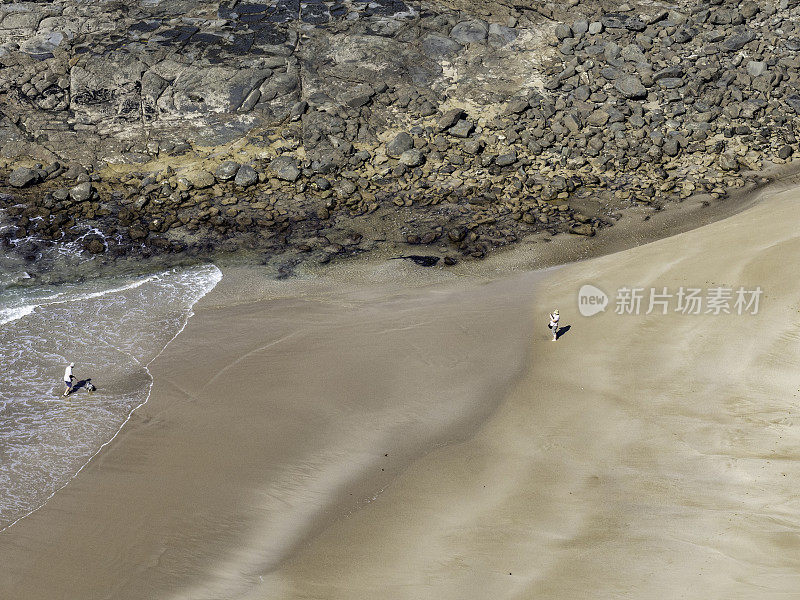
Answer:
[(314, 130)]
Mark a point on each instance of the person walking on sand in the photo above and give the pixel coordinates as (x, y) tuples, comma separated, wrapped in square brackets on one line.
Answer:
[(554, 317), (68, 376)]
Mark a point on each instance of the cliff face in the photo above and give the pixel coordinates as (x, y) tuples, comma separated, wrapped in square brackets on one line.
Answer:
[(184, 126)]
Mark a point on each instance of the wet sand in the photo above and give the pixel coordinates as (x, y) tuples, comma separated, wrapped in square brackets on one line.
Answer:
[(311, 440)]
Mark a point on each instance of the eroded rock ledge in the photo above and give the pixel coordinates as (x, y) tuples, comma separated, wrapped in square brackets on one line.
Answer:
[(318, 129)]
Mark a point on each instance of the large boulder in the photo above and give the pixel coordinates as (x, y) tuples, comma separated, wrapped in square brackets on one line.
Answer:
[(462, 128), (728, 162), (631, 87), (399, 144), (412, 158), (81, 192), (285, 168), (246, 176), (21, 177), (470, 32), (227, 170), (739, 40), (449, 118), (438, 47), (202, 179)]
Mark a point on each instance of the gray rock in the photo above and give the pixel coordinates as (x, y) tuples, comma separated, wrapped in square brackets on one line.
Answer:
[(500, 35), (449, 118), (595, 27), (322, 183), (470, 32), (412, 158), (515, 107), (507, 159), (670, 83), (580, 27), (785, 152), (609, 73), (682, 36), (563, 31), (635, 25), (246, 176), (81, 192), (631, 87), (598, 118), (572, 122), (675, 71), (794, 102), (474, 146), (670, 147), (582, 229), (755, 68), (612, 51), (461, 129), (344, 189), (276, 86), (285, 168), (298, 110), (74, 171), (202, 179), (633, 53), (22, 176), (227, 170), (738, 41), (359, 96), (749, 9), (438, 47), (399, 144), (42, 43), (728, 162)]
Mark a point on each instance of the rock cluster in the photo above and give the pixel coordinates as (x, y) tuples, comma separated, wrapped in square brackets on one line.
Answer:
[(327, 128)]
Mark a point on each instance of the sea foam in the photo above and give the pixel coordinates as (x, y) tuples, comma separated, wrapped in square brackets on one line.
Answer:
[(112, 330)]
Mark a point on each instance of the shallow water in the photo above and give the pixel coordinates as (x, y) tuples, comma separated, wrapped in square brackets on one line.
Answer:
[(112, 328)]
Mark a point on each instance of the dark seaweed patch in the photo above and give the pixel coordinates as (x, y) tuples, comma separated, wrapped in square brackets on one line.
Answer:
[(314, 14), (271, 36), (207, 39), (226, 13), (247, 9), (177, 36), (145, 26), (422, 261), (241, 44)]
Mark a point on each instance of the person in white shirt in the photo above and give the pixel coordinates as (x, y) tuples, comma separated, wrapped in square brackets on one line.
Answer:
[(68, 379), (554, 317)]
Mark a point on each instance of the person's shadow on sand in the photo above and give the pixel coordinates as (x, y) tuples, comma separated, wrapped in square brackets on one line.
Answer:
[(83, 383), (562, 331)]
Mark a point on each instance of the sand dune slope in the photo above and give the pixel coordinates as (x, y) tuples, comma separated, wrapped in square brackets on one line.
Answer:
[(651, 456)]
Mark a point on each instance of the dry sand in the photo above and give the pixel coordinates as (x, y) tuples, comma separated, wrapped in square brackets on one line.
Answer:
[(386, 441)]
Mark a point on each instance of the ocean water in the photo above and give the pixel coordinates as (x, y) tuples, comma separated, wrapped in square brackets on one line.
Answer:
[(112, 329)]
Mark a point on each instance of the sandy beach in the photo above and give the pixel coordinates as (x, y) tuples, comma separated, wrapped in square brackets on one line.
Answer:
[(312, 439)]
